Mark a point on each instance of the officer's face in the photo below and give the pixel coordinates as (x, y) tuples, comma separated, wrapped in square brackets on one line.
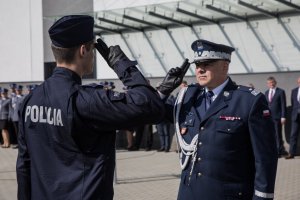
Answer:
[(271, 83), (212, 74), (4, 95), (298, 81)]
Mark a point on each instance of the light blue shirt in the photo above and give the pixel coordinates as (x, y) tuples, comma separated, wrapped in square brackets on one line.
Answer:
[(218, 89)]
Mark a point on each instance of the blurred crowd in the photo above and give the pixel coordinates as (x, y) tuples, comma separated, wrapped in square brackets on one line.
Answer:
[(10, 100)]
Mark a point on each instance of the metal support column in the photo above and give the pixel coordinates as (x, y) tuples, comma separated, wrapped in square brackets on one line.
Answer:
[(194, 31), (274, 15), (290, 33), (133, 54), (237, 52), (210, 21), (263, 44), (178, 49), (155, 52)]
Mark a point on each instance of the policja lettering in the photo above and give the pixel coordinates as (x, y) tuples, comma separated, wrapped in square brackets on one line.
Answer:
[(43, 114)]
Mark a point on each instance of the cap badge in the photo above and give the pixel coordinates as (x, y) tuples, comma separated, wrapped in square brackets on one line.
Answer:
[(199, 45)]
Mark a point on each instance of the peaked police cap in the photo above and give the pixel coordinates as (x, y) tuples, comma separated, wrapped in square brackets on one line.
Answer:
[(72, 30)]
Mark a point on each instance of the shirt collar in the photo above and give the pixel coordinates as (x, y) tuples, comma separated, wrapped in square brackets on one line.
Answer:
[(218, 89)]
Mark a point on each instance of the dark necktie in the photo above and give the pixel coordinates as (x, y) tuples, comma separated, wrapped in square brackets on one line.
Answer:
[(209, 99)]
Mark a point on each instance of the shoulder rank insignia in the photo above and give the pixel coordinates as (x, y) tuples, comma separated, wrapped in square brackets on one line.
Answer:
[(255, 92), (116, 94)]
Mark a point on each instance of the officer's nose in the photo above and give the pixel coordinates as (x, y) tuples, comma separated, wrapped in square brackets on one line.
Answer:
[(201, 70)]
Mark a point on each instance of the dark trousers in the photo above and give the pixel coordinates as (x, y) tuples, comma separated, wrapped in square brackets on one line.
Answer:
[(139, 132), (294, 135), (164, 135), (16, 128), (279, 140)]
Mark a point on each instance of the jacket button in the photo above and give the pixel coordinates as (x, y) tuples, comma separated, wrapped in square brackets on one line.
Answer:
[(202, 128), (199, 174), (199, 159), (200, 143), (240, 194)]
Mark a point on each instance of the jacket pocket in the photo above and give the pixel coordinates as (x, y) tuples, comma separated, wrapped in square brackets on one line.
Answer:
[(233, 191)]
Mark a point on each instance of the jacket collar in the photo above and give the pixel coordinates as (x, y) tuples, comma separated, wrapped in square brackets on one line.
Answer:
[(67, 73), (221, 101)]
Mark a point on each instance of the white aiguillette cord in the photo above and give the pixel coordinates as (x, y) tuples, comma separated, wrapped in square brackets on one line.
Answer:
[(186, 149)]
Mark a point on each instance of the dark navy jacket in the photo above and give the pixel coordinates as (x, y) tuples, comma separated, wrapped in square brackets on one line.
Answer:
[(4, 108), (278, 104), (67, 134), (15, 106), (236, 151), (295, 104)]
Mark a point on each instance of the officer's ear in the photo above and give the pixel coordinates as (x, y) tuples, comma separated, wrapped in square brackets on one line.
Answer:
[(82, 50), (225, 66)]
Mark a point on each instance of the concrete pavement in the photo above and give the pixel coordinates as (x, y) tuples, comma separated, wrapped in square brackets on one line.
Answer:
[(151, 175)]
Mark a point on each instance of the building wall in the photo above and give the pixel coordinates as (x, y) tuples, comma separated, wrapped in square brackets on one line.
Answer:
[(53, 10), (22, 40)]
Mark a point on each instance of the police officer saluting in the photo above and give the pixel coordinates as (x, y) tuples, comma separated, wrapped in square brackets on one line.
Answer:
[(67, 130), (225, 132), (16, 101)]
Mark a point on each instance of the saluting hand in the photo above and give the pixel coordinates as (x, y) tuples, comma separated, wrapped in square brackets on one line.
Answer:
[(173, 78), (102, 48), (111, 54)]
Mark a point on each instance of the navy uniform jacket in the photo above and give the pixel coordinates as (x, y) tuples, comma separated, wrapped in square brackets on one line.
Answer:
[(67, 134), (14, 107), (236, 152), (295, 104), (4, 108), (278, 104)]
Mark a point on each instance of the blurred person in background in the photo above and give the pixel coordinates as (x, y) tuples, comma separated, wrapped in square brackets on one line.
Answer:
[(295, 117), (14, 109), (4, 117), (277, 103)]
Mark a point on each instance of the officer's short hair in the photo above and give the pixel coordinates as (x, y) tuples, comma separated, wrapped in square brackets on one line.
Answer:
[(68, 54)]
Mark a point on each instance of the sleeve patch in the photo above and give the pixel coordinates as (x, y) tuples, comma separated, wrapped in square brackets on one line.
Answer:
[(116, 96)]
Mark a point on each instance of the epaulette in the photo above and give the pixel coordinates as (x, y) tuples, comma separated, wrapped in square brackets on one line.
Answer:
[(251, 90), (197, 85), (194, 85)]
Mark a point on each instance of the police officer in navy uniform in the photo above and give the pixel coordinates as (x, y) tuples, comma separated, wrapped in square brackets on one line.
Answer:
[(13, 87), (4, 117), (225, 132), (277, 103), (16, 101), (67, 130)]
